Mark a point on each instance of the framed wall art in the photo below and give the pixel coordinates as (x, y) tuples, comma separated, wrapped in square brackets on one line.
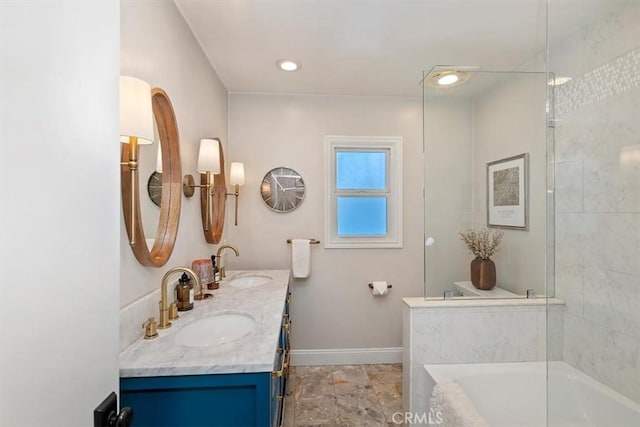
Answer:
[(508, 192)]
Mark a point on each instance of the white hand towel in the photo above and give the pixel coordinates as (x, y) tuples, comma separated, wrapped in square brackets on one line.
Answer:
[(301, 258)]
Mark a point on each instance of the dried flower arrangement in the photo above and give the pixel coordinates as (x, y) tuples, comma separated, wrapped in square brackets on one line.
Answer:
[(482, 243)]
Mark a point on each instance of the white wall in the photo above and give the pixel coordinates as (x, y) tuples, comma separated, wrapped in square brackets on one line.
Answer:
[(448, 125), (510, 119), (598, 198), (334, 308), (59, 192), (158, 46)]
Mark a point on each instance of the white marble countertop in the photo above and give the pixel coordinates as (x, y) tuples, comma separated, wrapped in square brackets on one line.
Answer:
[(255, 352), (439, 302)]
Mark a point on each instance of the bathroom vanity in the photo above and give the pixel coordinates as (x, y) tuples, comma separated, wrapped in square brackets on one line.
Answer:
[(233, 376)]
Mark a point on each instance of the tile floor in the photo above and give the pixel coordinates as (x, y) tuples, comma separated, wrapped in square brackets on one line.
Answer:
[(353, 395)]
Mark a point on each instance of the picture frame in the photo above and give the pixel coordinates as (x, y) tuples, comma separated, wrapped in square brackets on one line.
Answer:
[(508, 193)]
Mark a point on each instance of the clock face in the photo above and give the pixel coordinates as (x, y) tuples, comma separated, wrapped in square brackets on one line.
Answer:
[(282, 189), (154, 187)]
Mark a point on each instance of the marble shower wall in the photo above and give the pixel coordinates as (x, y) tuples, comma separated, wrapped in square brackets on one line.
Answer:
[(597, 148)]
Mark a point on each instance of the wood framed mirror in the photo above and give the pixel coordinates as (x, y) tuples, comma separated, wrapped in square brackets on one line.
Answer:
[(165, 236), (213, 230)]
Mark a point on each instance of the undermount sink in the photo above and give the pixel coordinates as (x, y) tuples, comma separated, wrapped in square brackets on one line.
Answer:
[(215, 330), (249, 281)]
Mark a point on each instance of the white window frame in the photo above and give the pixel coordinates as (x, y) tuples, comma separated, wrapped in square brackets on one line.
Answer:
[(393, 193)]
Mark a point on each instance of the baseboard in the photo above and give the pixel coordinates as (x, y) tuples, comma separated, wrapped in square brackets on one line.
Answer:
[(346, 356)]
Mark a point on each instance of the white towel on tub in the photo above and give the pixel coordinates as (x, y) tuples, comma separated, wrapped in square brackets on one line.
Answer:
[(451, 404), (301, 258)]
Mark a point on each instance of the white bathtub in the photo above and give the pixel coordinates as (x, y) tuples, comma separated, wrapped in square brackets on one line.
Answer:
[(515, 395)]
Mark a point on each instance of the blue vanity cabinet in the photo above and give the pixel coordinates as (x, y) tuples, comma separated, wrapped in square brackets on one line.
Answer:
[(199, 400), (238, 399), (283, 358)]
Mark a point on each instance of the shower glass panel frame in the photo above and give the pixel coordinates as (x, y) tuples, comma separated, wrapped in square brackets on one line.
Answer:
[(492, 115)]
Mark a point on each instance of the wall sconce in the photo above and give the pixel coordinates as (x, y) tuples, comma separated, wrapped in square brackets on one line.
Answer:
[(208, 164), (236, 178), (136, 128), (214, 190)]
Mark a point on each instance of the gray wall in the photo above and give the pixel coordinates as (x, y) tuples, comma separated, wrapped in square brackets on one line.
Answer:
[(509, 120), (334, 308), (158, 46), (448, 136)]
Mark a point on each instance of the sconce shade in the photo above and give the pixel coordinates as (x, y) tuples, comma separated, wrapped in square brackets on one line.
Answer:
[(209, 156), (236, 176), (136, 113)]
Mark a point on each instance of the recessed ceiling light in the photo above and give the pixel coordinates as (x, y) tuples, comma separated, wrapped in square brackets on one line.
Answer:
[(557, 81), (448, 78), (288, 65)]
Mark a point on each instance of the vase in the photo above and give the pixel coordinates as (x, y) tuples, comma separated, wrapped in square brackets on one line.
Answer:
[(483, 273)]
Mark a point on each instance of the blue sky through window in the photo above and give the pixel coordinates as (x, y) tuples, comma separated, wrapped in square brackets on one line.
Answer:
[(361, 170), (362, 216)]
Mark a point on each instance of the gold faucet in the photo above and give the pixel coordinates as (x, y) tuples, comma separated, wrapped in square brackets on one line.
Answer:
[(164, 307), (220, 249)]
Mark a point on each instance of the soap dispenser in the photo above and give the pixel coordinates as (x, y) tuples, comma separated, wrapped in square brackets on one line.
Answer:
[(216, 274), (184, 293)]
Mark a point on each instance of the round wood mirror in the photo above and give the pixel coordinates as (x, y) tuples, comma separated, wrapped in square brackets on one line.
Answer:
[(167, 230), (213, 230)]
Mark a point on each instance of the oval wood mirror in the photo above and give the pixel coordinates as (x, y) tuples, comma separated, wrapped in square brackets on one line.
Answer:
[(213, 232), (167, 230)]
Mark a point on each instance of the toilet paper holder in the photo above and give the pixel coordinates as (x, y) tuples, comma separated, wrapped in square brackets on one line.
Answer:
[(371, 285)]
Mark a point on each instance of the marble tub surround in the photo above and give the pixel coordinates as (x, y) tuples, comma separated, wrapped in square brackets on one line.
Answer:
[(254, 352), (471, 330)]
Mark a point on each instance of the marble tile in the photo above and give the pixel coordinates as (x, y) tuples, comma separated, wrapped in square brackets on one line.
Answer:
[(569, 282), (420, 391), (613, 186), (425, 336), (569, 186), (317, 411), (385, 373), (350, 379), (360, 409), (612, 242), (612, 300), (477, 337), (390, 397), (570, 238), (551, 333), (608, 356), (570, 132), (555, 333), (313, 382)]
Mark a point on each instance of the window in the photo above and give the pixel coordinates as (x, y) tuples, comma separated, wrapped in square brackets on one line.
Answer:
[(363, 192)]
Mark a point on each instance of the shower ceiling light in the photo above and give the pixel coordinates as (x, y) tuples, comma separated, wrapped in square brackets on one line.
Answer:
[(447, 78), (288, 65)]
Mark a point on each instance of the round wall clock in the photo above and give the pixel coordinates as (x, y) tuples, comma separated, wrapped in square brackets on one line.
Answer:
[(154, 187), (282, 189)]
